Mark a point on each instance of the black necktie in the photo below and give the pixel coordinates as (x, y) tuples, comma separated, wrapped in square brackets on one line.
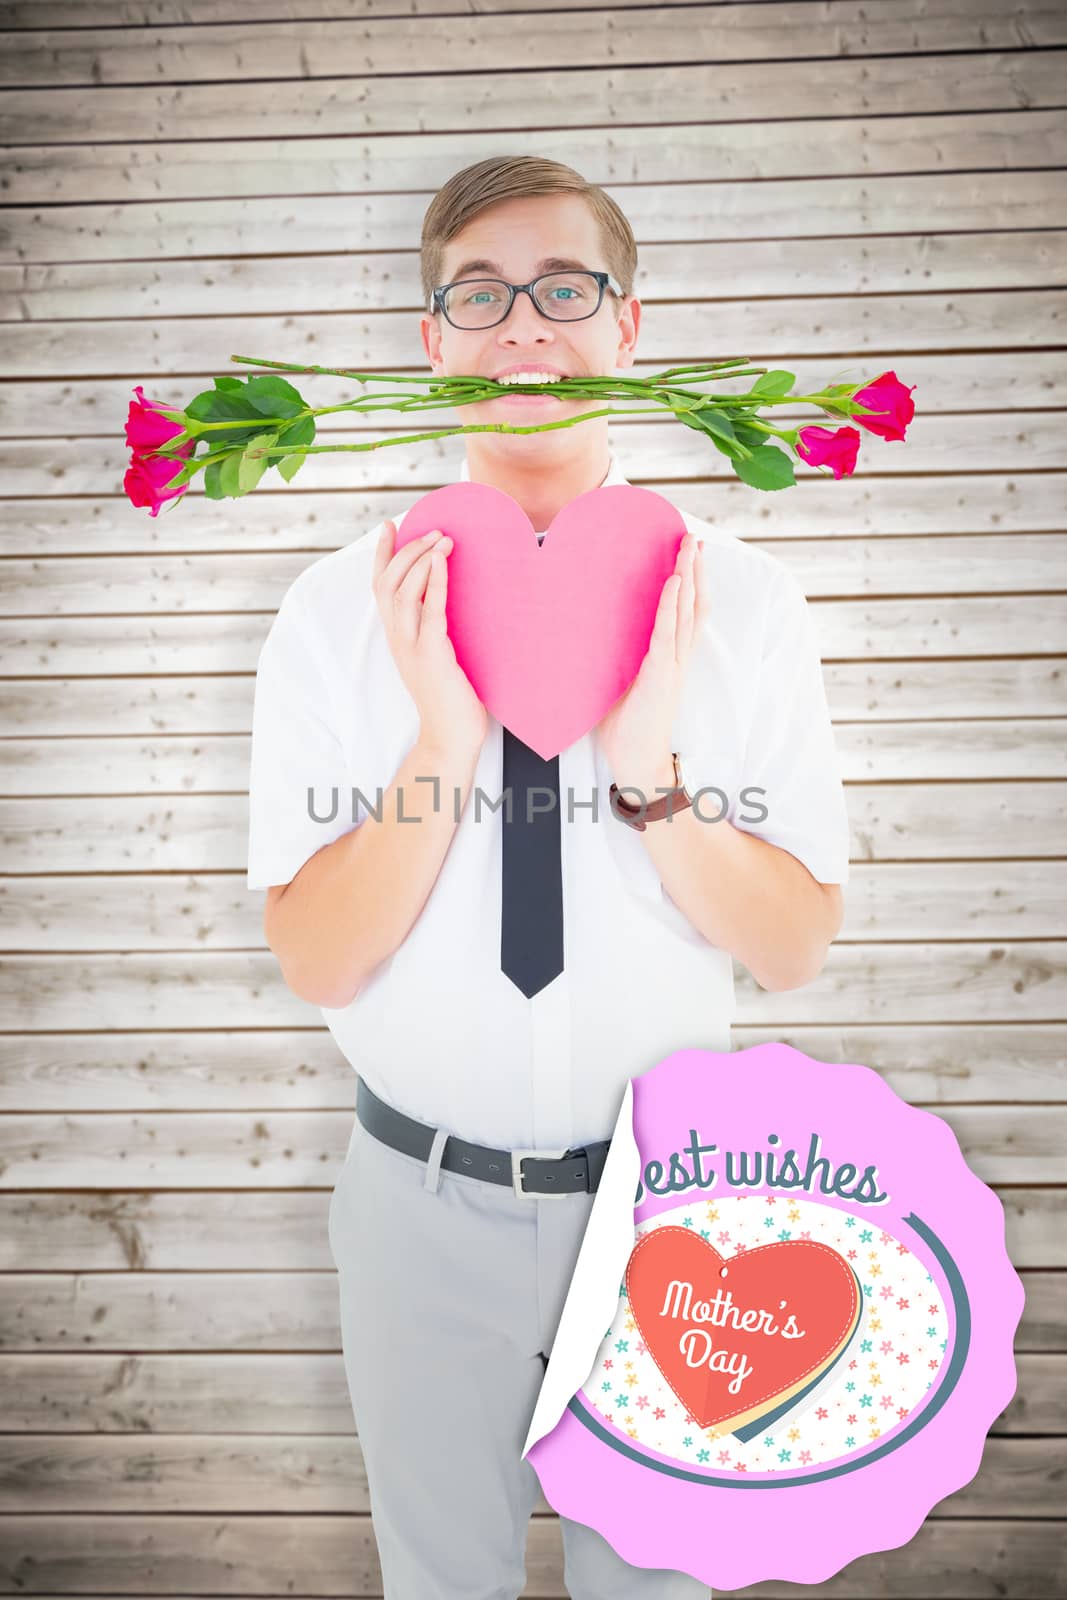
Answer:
[(531, 880)]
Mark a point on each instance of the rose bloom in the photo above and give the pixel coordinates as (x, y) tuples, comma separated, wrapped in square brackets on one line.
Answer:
[(148, 475), (887, 395), (829, 447)]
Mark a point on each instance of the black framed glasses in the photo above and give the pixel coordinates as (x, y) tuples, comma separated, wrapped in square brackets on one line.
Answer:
[(471, 303)]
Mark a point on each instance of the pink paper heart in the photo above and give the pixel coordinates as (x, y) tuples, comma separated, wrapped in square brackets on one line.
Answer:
[(551, 635)]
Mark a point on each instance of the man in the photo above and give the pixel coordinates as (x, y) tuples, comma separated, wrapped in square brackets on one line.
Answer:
[(495, 995)]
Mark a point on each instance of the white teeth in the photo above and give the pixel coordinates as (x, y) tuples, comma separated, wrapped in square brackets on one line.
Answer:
[(530, 377)]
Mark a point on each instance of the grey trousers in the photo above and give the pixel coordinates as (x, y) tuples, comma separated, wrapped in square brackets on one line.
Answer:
[(451, 1290)]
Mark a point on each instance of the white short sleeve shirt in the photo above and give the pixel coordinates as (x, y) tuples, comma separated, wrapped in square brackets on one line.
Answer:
[(437, 1029)]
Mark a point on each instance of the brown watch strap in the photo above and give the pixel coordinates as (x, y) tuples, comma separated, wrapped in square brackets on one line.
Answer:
[(637, 816)]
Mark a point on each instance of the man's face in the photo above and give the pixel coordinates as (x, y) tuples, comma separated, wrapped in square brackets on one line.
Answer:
[(510, 240)]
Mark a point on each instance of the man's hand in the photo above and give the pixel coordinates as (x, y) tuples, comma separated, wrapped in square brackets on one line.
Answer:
[(411, 590), (636, 733)]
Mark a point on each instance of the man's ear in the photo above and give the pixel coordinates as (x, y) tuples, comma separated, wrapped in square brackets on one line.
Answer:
[(430, 334), (629, 327)]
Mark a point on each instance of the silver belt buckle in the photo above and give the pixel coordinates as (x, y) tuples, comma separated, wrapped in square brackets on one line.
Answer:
[(517, 1157)]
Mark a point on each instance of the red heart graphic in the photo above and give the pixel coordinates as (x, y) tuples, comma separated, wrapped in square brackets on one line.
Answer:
[(550, 636), (688, 1302)]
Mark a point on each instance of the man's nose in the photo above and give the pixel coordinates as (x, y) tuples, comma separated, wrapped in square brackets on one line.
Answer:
[(523, 314)]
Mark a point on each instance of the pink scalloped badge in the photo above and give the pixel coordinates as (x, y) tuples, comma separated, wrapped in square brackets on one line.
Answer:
[(809, 1312)]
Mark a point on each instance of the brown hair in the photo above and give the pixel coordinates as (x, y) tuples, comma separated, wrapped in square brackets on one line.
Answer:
[(512, 178)]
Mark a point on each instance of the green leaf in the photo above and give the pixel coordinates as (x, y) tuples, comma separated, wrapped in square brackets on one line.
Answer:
[(766, 468), (251, 467), (777, 382), (705, 419), (245, 424), (229, 383), (212, 487), (717, 423), (298, 434), (229, 474), (729, 448), (273, 397), (222, 405), (752, 437), (289, 466)]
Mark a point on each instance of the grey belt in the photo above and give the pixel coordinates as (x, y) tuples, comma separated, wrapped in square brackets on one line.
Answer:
[(550, 1174)]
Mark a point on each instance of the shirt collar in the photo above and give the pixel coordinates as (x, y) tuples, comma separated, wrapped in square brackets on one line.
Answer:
[(615, 473)]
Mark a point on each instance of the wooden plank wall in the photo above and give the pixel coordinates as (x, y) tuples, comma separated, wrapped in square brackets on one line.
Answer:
[(839, 186)]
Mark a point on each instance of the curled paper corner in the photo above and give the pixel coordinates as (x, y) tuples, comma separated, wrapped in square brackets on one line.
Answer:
[(593, 1295)]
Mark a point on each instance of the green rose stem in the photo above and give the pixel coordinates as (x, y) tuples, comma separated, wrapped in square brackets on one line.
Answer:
[(255, 451), (196, 465), (449, 390)]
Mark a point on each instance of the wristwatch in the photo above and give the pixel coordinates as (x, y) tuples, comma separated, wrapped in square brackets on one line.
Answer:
[(636, 816)]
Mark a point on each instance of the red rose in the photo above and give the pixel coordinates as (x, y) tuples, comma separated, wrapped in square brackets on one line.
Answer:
[(148, 474), (829, 447), (147, 478), (892, 400), (146, 426)]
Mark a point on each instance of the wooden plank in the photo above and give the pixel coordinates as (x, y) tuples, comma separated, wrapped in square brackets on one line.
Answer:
[(215, 911), (949, 568), (916, 634), (303, 1069), (937, 1063), (912, 263), (177, 228), (962, 1559), (392, 44), (1010, 1144), (660, 95), (186, 833), (944, 900), (909, 983), (137, 1313), (858, 691), (927, 821), (142, 13), (158, 13), (165, 13), (1003, 750), (358, 460), (187, 1474), (1010, 504), (176, 1230), (914, 751), (72, 1393), (48, 707), (924, 565), (846, 328), (772, 149), (841, 568)]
